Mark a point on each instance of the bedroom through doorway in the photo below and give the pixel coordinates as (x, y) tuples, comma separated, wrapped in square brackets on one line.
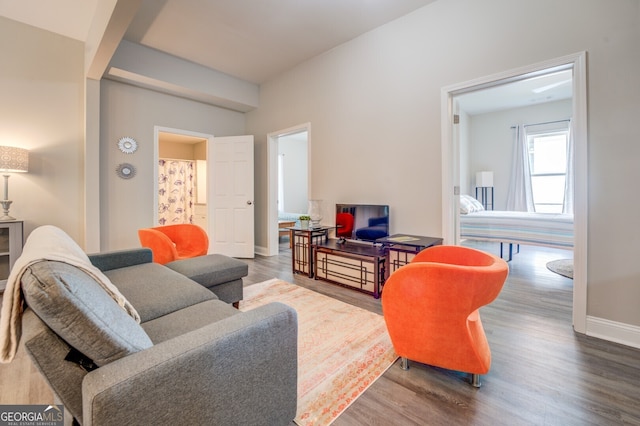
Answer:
[(500, 92)]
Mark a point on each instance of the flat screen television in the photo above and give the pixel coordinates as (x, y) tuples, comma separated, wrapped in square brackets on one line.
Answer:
[(365, 222)]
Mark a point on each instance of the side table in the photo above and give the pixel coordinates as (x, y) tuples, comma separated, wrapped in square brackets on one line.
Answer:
[(401, 248), (302, 241)]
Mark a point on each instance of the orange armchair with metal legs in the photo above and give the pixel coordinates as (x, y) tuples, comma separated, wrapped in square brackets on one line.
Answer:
[(431, 308), (174, 242)]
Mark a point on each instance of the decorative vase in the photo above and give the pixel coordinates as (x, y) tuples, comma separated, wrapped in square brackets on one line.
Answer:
[(304, 224), (315, 211)]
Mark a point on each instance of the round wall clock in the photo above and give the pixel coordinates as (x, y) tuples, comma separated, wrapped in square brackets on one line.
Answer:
[(127, 145), (126, 171)]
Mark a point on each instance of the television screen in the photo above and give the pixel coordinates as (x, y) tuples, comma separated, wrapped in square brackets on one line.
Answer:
[(366, 222)]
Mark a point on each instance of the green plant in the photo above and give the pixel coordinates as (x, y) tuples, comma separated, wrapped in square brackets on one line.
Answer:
[(305, 217)]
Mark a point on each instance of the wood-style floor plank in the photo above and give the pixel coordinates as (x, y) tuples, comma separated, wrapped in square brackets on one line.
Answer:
[(542, 372)]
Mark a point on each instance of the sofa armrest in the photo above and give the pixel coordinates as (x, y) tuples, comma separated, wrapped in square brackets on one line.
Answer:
[(240, 370), (121, 258)]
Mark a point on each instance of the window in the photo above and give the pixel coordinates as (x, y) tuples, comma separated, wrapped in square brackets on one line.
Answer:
[(548, 165)]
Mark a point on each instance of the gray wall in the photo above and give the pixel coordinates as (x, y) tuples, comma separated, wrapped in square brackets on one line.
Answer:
[(127, 205)]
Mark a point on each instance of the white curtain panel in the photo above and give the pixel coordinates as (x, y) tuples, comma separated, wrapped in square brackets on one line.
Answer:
[(567, 206), (175, 191), (520, 194)]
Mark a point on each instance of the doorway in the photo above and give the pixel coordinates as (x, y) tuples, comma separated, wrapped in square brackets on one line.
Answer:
[(451, 181), (228, 197), (183, 197), (289, 174)]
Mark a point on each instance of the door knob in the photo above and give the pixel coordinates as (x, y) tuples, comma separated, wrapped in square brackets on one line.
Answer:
[(249, 202)]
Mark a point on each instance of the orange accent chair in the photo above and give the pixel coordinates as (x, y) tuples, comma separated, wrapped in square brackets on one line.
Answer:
[(345, 223), (174, 242), (431, 307)]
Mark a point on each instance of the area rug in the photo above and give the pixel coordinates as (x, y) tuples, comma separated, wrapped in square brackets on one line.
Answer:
[(342, 349), (562, 267)]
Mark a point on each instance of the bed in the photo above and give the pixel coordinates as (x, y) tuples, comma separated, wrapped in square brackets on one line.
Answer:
[(285, 221), (539, 229)]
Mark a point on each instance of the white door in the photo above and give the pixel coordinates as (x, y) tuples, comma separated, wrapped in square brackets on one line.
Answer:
[(231, 196)]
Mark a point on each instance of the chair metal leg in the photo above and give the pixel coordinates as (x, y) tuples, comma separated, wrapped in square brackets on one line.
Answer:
[(475, 380), (404, 363)]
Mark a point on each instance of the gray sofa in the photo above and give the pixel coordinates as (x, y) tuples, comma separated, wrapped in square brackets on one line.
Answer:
[(193, 359)]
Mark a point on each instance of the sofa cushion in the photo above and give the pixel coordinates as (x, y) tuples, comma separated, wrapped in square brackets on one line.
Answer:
[(188, 319), (156, 290), (81, 312)]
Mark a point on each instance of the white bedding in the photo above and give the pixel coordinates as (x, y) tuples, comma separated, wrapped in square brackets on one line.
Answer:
[(289, 216)]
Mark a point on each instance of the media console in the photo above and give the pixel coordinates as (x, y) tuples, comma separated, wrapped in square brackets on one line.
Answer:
[(351, 264), (365, 266)]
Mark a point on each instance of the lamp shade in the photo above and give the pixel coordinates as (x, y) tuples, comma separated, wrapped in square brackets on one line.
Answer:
[(484, 179), (13, 159)]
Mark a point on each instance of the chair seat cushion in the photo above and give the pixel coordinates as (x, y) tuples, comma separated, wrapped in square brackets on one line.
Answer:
[(211, 270), (81, 312)]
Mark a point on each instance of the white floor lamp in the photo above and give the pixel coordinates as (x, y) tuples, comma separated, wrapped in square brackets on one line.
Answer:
[(12, 160)]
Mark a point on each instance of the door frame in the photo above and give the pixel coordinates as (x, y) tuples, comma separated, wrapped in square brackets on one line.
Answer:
[(451, 154), (273, 246)]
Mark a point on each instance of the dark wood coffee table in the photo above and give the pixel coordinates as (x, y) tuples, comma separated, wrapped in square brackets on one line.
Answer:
[(350, 264)]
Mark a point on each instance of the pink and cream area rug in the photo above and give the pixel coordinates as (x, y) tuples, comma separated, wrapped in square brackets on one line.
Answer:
[(342, 349)]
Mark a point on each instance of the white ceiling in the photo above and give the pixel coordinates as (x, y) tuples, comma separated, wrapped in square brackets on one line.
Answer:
[(550, 87), (253, 40), (70, 18), (256, 40)]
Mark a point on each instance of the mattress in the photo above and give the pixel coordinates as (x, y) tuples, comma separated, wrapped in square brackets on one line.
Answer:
[(284, 216), (541, 229)]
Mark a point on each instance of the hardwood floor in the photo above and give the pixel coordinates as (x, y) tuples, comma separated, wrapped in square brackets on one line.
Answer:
[(542, 372)]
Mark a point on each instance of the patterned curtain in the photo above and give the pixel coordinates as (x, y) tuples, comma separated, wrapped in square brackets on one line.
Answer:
[(175, 191)]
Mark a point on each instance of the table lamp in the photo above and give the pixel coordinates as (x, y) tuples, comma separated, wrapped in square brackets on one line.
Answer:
[(484, 179), (12, 160), (315, 211)]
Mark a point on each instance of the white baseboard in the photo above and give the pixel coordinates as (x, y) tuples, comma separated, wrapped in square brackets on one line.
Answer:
[(261, 251), (613, 331)]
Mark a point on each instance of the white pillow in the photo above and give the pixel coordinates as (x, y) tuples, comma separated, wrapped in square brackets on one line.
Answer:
[(468, 204)]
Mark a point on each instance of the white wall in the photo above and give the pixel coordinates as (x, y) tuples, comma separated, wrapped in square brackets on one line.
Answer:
[(374, 104), (491, 142), (127, 205), (42, 110), (294, 149)]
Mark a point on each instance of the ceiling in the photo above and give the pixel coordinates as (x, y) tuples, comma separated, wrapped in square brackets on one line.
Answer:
[(548, 87), (256, 40), (70, 18)]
